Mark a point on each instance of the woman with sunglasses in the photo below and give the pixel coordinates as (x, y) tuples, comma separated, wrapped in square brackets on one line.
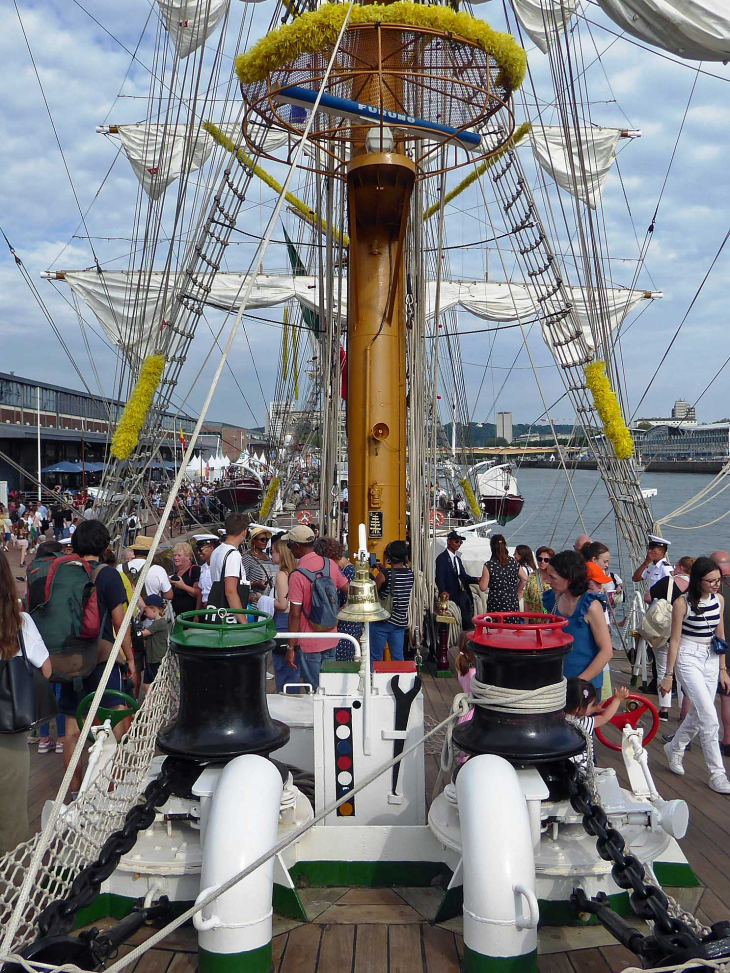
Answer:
[(696, 621), (538, 582)]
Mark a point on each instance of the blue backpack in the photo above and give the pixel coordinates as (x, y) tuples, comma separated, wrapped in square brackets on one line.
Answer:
[(323, 612)]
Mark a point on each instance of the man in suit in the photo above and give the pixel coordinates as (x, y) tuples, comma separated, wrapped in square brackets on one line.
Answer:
[(451, 577)]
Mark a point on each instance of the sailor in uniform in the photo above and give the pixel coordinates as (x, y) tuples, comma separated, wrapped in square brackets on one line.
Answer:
[(655, 565)]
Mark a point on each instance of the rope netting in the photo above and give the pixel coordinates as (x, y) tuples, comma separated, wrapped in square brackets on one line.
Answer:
[(100, 810)]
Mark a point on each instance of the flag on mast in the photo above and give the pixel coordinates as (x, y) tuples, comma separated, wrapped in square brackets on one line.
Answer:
[(182, 438)]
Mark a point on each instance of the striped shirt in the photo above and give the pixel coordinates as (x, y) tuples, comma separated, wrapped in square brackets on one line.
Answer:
[(699, 624), (402, 587)]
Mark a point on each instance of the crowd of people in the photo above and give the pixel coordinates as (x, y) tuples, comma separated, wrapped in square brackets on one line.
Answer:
[(689, 603), (302, 580)]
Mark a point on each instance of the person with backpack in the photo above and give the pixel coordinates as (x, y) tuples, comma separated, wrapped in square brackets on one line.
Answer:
[(662, 621), (89, 542), (229, 584), (313, 605)]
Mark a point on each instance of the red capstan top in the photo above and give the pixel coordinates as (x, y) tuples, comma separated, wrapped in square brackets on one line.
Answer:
[(521, 631)]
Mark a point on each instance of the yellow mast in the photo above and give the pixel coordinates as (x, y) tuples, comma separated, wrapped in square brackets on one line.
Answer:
[(380, 180)]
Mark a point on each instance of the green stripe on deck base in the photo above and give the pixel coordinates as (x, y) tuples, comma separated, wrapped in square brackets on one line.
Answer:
[(477, 963), (253, 961), (676, 875), (377, 874), (552, 913)]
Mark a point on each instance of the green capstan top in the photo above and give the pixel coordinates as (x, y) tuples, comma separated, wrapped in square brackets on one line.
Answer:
[(217, 632)]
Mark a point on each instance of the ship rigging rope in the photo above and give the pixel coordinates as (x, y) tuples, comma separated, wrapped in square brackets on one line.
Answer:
[(500, 699), (31, 873)]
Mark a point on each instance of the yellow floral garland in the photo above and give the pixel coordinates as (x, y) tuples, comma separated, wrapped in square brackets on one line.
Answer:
[(269, 498), (314, 31), (518, 135), (222, 139), (609, 410), (470, 498), (126, 435)]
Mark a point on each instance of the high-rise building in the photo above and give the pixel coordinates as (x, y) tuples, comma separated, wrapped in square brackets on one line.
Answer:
[(683, 410), (504, 426)]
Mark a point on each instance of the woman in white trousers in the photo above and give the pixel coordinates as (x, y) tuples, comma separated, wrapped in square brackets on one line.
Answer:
[(696, 618)]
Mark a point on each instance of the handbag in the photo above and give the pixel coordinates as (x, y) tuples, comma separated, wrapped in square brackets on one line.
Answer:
[(26, 696), (217, 595), (718, 645)]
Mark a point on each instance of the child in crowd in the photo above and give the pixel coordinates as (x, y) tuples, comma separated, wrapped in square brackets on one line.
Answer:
[(581, 702), (155, 636), (465, 668)]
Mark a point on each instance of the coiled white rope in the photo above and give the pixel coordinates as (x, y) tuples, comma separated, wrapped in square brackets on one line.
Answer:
[(544, 699)]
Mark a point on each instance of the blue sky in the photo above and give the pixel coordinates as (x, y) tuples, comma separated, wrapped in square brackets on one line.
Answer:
[(84, 69)]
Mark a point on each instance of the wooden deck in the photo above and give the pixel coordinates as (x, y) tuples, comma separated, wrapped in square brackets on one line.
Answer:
[(392, 930)]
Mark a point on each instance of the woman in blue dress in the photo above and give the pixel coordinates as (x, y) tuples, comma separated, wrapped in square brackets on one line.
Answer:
[(585, 610)]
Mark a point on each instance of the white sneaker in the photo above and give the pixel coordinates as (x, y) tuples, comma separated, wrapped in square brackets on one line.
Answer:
[(720, 783), (674, 759)]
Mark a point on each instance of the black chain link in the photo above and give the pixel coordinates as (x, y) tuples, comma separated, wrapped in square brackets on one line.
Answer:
[(647, 901), (58, 918)]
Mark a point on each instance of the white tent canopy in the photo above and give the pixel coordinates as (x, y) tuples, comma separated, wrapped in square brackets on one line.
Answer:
[(158, 153), (695, 29), (580, 166), (112, 297)]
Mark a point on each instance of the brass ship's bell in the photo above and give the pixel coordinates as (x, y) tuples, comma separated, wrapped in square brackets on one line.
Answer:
[(362, 600)]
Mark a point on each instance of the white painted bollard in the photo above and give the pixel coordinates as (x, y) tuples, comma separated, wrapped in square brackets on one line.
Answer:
[(500, 905)]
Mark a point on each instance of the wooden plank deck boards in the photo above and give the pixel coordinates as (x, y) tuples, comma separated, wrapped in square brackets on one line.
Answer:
[(405, 950), (371, 949)]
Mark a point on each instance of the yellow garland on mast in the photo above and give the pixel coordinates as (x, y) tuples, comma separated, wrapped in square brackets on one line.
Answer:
[(222, 139), (314, 31), (609, 410), (126, 435), (470, 498), (519, 134), (269, 498)]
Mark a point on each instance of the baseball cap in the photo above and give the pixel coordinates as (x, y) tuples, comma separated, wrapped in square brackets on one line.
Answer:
[(154, 601), (596, 573), (300, 534)]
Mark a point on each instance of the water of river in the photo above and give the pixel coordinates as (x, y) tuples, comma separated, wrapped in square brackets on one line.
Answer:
[(550, 515)]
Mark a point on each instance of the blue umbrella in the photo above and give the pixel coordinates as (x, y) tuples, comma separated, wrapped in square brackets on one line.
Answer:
[(62, 467)]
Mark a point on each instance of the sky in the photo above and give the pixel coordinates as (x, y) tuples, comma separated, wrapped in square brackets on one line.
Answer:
[(55, 167)]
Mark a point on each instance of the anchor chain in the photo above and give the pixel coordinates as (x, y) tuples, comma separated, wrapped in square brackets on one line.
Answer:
[(672, 938), (58, 918)]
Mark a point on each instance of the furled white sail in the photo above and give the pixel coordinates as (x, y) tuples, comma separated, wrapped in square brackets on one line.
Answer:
[(133, 322), (541, 18), (158, 153), (695, 29), (191, 22), (579, 165)]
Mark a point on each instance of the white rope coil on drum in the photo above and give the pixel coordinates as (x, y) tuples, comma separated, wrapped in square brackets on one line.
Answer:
[(500, 699)]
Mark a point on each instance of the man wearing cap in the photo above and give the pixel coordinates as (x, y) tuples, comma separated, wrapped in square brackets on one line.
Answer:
[(259, 567), (451, 577), (309, 653), (157, 581), (655, 565), (205, 545)]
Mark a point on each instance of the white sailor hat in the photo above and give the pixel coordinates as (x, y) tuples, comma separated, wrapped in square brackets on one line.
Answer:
[(205, 537), (656, 539), (65, 540)]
